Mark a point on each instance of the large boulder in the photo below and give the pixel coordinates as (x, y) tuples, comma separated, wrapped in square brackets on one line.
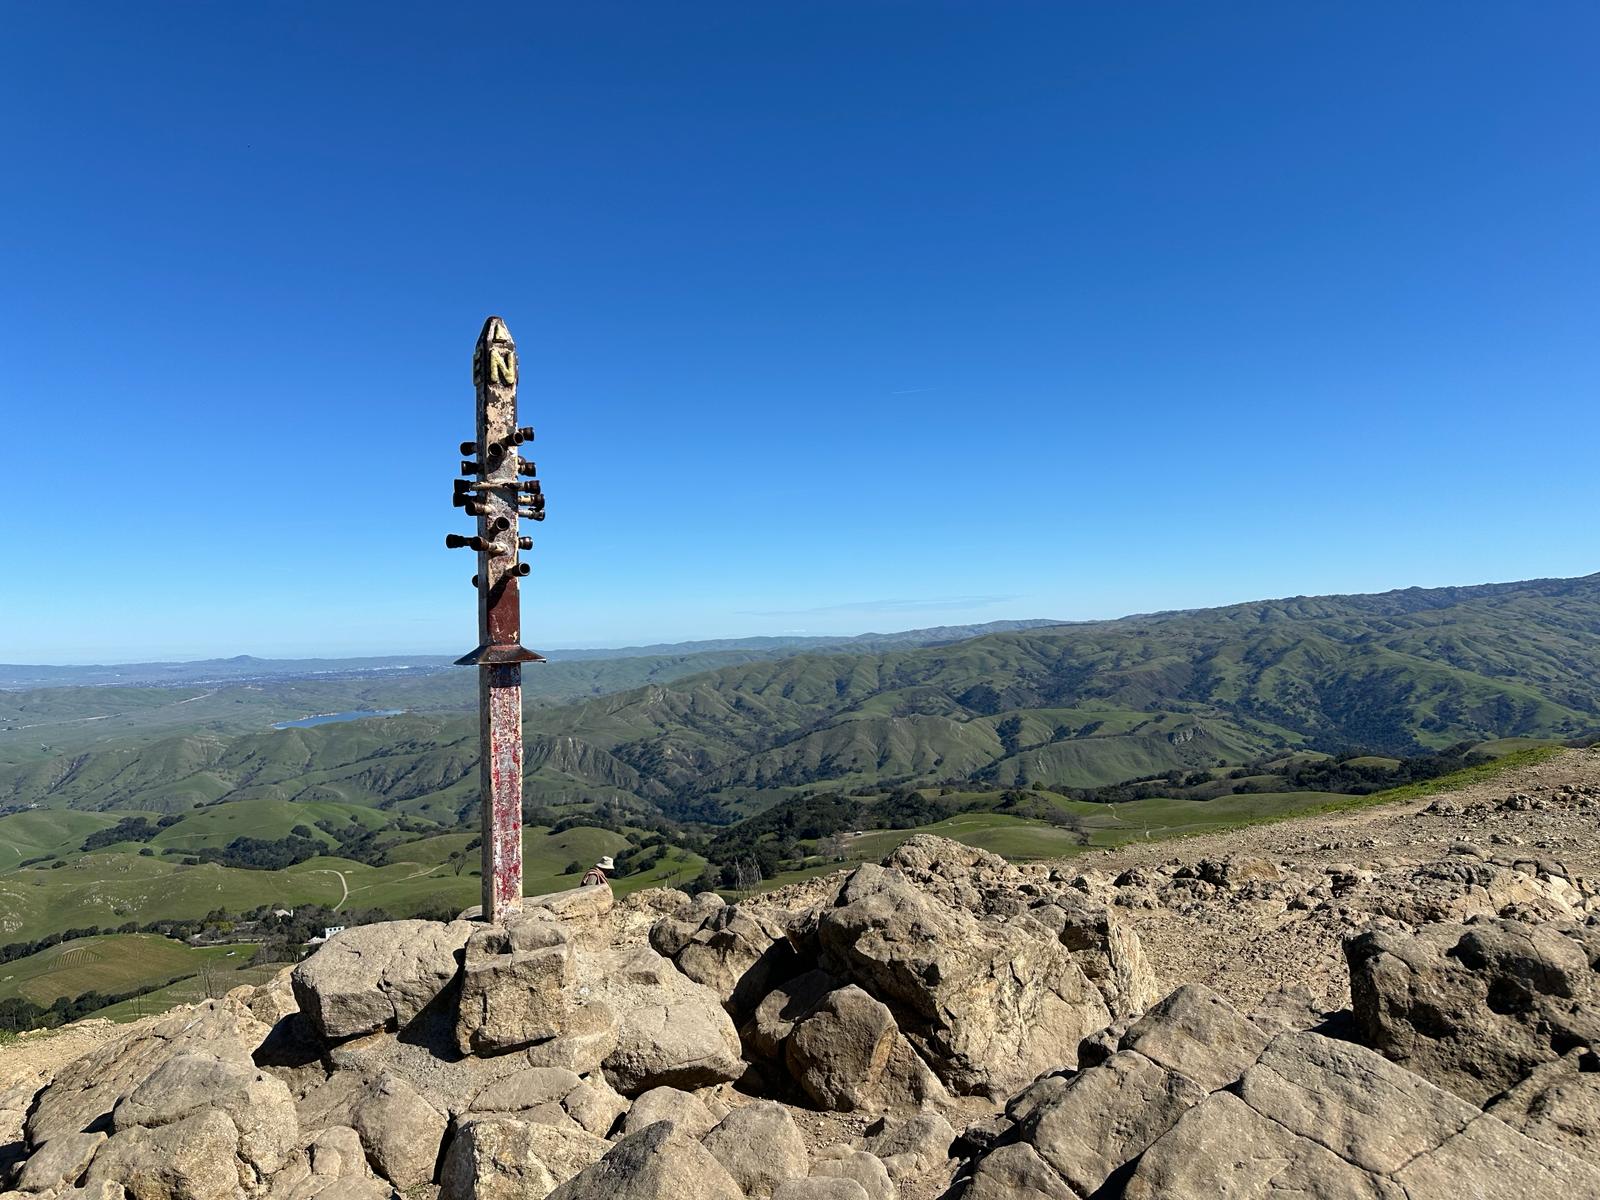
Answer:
[(1475, 1008), (848, 1054), (657, 1163), (989, 1004), (686, 1112), (176, 1109), (1106, 1116), (501, 1158), (378, 976), (515, 984), (669, 1030), (1559, 1103), (740, 952), (332, 1167), (759, 1146), (1195, 1033)]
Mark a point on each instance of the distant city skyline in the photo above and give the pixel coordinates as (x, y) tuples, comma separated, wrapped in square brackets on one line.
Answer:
[(833, 318)]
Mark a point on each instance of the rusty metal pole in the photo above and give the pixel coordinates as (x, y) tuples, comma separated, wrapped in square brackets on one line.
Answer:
[(497, 496)]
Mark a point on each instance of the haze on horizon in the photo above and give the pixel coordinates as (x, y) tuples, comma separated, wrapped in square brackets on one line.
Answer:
[(833, 317)]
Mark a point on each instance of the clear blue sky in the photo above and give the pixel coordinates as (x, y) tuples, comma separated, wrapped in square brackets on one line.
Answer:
[(833, 316)]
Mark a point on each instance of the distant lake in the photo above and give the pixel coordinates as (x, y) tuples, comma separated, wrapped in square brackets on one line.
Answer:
[(331, 718)]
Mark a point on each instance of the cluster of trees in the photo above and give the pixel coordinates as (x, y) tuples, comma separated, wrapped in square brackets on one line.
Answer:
[(18, 1014), (129, 829), (1359, 779), (262, 854)]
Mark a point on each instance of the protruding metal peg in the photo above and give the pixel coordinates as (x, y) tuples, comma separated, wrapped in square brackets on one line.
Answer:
[(524, 543), (468, 467), (532, 514), (469, 447), (524, 467), (474, 581), (521, 570), (531, 486), (523, 433), (455, 541)]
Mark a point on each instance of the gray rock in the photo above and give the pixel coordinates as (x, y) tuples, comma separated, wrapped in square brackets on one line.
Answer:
[(685, 1112), (989, 1005), (1015, 1172), (515, 984), (501, 1158), (843, 1162), (1106, 1116), (670, 1031), (848, 1054), (739, 953), (1491, 1161), (595, 1105), (1475, 1008), (1222, 1147), (910, 1145), (1195, 1033), (657, 1163), (526, 1089), (378, 976), (588, 1036), (1558, 1104), (402, 1132), (759, 1146), (1347, 1098), (821, 1187), (787, 1004), (191, 1159)]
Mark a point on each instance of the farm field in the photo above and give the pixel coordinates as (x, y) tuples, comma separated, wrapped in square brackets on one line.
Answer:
[(111, 964)]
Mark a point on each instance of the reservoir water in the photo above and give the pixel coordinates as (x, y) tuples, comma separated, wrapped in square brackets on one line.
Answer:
[(332, 718)]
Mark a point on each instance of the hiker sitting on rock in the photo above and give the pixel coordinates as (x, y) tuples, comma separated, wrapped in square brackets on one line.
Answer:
[(597, 873)]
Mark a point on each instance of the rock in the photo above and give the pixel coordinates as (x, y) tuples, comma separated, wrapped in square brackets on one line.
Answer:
[(848, 1055), (514, 984), (61, 1160), (402, 1132), (656, 1163), (526, 1089), (588, 1035), (670, 1030), (500, 1158), (843, 1162), (989, 1005), (909, 1146), (821, 1187), (85, 1091), (595, 1105), (1558, 1104), (685, 1112), (1489, 1159), (582, 908), (759, 1146), (332, 1167), (1475, 1008), (378, 976), (1106, 1116), (1033, 1097), (774, 1019), (274, 1000), (1221, 1147), (1352, 1101), (191, 1159), (737, 952), (1195, 1033), (1104, 947), (1015, 1172)]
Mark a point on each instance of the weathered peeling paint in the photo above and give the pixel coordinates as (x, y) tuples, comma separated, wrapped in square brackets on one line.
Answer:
[(500, 653)]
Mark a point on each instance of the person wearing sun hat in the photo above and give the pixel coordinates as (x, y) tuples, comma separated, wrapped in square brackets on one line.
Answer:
[(597, 873)]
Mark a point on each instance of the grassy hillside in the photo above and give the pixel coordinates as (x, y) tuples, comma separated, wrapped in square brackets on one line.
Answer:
[(111, 965)]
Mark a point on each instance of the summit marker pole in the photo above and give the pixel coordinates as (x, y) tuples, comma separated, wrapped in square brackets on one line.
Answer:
[(498, 489)]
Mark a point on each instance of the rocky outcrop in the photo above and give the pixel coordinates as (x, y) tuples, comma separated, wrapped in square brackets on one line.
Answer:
[(1477, 1007), (377, 977), (1298, 1113), (663, 1047)]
